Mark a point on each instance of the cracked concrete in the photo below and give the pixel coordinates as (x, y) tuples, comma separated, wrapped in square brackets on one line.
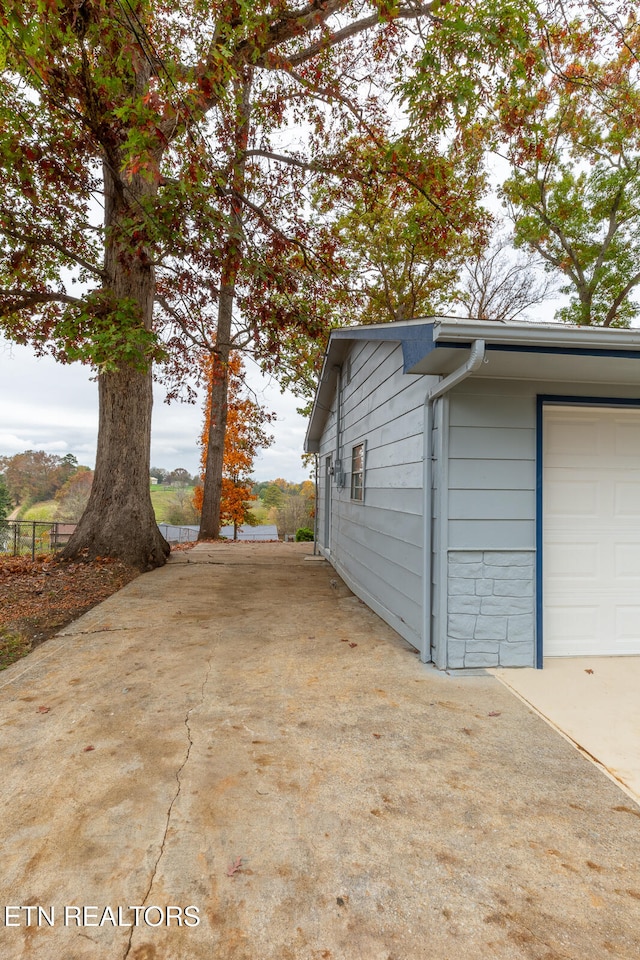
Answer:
[(178, 775), (237, 734)]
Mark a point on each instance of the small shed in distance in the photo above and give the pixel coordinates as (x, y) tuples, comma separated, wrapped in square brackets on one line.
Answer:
[(479, 485)]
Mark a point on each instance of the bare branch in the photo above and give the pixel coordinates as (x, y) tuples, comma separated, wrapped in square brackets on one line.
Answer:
[(185, 325), (353, 29), (16, 299), (500, 287), (291, 161), (613, 309)]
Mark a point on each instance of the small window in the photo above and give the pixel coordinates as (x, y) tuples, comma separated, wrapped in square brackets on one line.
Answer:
[(357, 472)]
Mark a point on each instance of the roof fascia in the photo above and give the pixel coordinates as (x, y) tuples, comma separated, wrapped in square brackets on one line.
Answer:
[(536, 335)]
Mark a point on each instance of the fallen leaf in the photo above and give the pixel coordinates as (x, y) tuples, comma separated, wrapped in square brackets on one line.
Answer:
[(38, 597), (494, 713), (86, 749), (234, 867), (376, 735), (43, 709), (353, 644), (588, 671)]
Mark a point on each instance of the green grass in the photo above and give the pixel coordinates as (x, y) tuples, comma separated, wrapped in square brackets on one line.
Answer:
[(13, 647), (162, 498), (45, 510)]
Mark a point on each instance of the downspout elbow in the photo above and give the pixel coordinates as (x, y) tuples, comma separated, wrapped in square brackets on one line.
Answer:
[(474, 361)]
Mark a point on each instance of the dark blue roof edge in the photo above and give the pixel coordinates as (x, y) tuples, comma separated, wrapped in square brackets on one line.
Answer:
[(416, 339), (562, 351)]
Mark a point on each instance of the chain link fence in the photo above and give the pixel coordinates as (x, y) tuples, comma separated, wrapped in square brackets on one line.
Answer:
[(20, 538), (30, 537), (173, 533)]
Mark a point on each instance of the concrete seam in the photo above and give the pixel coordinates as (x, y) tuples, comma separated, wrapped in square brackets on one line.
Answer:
[(52, 648), (173, 801), (574, 743)]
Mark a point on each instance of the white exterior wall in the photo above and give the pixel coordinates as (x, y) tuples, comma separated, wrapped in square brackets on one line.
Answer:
[(377, 545)]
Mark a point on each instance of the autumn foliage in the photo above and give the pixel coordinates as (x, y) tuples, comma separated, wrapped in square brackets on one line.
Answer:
[(156, 187), (245, 435), (35, 475)]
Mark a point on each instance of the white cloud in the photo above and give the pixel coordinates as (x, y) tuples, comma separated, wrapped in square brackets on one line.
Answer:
[(49, 406)]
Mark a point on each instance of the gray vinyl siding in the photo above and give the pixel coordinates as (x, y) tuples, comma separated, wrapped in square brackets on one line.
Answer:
[(377, 544), (327, 449), (438, 495), (481, 505), (492, 460), (490, 526), (492, 466)]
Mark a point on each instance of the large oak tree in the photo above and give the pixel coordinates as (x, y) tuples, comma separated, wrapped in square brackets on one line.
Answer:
[(128, 202)]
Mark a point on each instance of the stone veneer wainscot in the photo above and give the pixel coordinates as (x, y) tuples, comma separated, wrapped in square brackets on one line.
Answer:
[(491, 596)]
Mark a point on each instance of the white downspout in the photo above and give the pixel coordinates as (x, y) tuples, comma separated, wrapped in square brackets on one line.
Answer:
[(476, 358), (315, 505), (338, 463)]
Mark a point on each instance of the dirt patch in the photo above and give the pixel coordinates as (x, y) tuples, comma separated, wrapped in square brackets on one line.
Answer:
[(39, 597)]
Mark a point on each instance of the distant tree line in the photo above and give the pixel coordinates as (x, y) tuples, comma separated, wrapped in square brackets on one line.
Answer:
[(177, 477), (34, 476), (289, 506), (5, 500)]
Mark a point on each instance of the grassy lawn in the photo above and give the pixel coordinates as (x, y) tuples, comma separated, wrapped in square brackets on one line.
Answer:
[(13, 646), (162, 499), (45, 510)]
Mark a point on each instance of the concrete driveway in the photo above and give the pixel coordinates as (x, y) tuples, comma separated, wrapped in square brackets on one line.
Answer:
[(234, 759), (595, 703)]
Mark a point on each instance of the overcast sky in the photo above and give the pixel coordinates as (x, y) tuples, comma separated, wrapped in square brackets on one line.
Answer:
[(47, 406)]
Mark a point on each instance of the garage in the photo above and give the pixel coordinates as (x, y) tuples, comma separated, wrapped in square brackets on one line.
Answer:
[(484, 490), (591, 521)]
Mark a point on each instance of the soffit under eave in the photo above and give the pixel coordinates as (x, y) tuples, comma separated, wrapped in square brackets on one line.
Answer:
[(570, 366)]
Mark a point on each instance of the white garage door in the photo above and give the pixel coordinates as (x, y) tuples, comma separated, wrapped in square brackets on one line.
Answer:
[(591, 531)]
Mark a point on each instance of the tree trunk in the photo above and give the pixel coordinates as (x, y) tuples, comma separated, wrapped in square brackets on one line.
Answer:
[(119, 520), (212, 484)]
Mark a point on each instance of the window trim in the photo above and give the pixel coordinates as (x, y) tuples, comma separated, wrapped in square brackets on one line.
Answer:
[(358, 453)]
